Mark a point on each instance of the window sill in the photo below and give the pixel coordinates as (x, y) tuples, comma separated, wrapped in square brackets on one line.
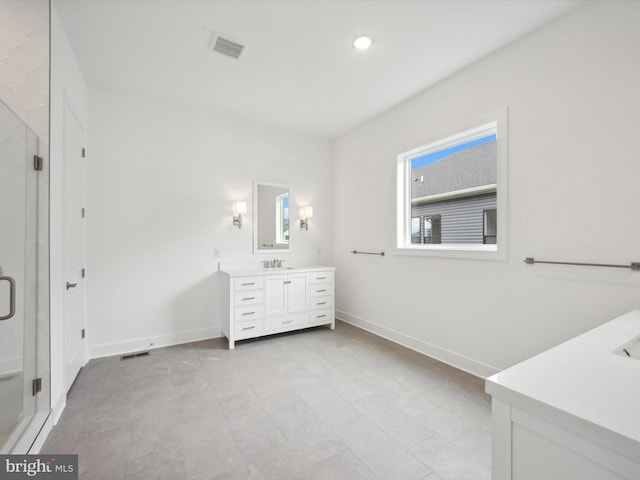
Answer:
[(470, 252)]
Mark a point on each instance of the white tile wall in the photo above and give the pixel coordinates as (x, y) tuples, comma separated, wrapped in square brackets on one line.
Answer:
[(24, 61)]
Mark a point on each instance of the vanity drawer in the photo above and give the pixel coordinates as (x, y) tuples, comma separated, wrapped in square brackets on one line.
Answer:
[(250, 312), (250, 297), (284, 323), (321, 277), (321, 302), (321, 289), (248, 283), (252, 328), (321, 316)]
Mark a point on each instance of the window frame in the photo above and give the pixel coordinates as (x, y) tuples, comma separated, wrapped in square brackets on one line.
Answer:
[(280, 219), (497, 123)]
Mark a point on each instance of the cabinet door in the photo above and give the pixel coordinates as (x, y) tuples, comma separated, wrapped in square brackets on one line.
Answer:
[(297, 293), (275, 301)]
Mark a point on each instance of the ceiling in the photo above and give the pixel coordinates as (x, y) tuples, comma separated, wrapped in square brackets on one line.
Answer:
[(299, 70)]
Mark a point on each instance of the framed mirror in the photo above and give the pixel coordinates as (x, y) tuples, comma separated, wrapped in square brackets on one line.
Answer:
[(271, 224)]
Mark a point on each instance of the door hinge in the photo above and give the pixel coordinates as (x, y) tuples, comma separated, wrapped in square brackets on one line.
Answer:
[(83, 273), (83, 213), (36, 386), (84, 153), (83, 333), (38, 163)]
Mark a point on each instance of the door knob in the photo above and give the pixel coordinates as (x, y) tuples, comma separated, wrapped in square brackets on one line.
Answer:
[(71, 285)]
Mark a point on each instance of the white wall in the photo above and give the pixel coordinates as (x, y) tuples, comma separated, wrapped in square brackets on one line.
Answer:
[(67, 84), (571, 90), (161, 182)]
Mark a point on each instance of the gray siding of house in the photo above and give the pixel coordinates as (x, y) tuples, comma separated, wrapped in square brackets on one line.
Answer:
[(462, 218)]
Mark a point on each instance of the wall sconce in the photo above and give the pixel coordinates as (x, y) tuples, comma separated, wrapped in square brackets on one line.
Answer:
[(305, 214), (239, 209)]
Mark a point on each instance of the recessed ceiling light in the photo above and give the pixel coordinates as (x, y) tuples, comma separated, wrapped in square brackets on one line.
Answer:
[(362, 42)]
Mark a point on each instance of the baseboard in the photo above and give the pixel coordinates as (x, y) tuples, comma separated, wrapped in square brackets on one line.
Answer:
[(456, 360), (42, 436), (32, 433), (136, 345), (57, 407)]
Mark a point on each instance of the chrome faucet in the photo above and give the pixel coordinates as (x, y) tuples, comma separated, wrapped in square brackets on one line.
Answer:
[(275, 263)]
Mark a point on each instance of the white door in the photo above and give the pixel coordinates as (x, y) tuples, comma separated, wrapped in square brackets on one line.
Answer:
[(275, 301), (74, 174), (297, 295)]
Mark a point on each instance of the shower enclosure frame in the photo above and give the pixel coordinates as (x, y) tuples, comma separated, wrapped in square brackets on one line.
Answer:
[(24, 171)]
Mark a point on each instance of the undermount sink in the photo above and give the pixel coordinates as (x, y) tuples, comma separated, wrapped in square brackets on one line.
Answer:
[(630, 349)]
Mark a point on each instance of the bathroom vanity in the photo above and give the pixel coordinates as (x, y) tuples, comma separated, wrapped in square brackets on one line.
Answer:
[(258, 302), (572, 412)]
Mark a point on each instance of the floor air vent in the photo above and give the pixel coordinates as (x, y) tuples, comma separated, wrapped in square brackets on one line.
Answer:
[(129, 356), (225, 46)]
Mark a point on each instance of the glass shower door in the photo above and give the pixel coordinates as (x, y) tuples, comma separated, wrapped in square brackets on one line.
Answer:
[(19, 207)]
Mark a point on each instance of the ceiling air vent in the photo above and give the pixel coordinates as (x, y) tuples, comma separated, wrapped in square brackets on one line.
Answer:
[(223, 45)]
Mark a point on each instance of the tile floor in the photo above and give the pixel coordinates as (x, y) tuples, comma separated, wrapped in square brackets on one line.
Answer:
[(316, 404)]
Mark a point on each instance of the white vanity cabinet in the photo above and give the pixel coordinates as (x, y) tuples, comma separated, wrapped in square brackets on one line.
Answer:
[(321, 297), (247, 305), (286, 304), (267, 301), (286, 293)]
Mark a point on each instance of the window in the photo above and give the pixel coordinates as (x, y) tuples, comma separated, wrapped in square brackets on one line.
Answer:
[(452, 195), (425, 229), (489, 236), (282, 218), (432, 229)]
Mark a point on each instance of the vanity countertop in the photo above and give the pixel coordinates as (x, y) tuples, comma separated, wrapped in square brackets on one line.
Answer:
[(584, 378), (248, 271)]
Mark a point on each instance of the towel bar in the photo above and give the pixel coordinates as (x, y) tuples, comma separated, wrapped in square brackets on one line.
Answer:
[(632, 265), (367, 253)]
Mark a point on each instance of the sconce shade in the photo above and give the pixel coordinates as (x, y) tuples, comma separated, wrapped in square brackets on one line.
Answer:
[(240, 207), (308, 211)]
